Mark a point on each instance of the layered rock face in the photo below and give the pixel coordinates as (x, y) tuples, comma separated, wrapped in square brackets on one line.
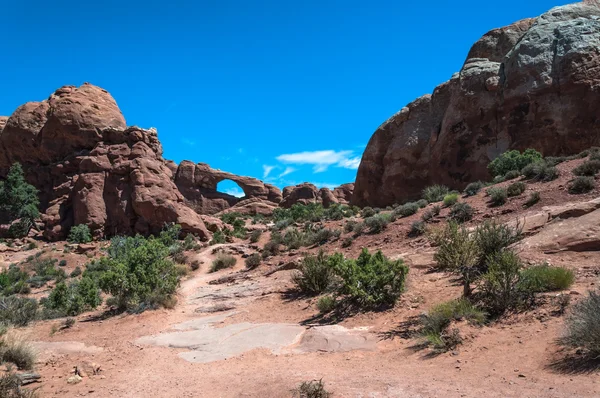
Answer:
[(533, 84), (91, 169), (308, 193), (198, 184)]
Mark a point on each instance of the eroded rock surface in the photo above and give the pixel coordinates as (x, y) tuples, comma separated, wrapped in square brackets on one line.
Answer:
[(532, 84)]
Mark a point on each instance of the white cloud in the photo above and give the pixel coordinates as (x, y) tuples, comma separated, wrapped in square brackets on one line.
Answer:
[(321, 160), (287, 171), (237, 192), (267, 170)]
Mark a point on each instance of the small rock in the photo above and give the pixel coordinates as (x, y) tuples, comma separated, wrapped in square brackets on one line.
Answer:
[(74, 379), (522, 375)]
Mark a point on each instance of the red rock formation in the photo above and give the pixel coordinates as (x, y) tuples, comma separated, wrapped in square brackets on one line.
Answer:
[(308, 193), (91, 169), (533, 84)]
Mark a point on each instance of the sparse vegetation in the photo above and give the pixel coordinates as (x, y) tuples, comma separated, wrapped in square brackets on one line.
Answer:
[(255, 235), (450, 199), (316, 273), (253, 261), (17, 311), (376, 223), (347, 242), (581, 185), (589, 168), (326, 304), (583, 326), (218, 237), (461, 212), (18, 202), (513, 161), (16, 350), (311, 389), (511, 175), (429, 214), (533, 198), (435, 193), (499, 290), (422, 203), (417, 228), (473, 188), (407, 209), (544, 278), (80, 234), (516, 189), (540, 171), (222, 261), (72, 299), (497, 195), (10, 387)]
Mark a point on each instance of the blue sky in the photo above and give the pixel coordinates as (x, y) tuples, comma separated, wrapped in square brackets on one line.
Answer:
[(286, 91)]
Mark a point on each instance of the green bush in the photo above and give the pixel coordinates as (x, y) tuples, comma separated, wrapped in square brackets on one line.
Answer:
[(326, 304), (376, 223), (583, 326), (516, 189), (417, 228), (513, 160), (359, 228), (222, 261), (311, 389), (13, 281), (497, 195), (347, 242), (253, 261), (137, 272), (73, 299), (461, 212), (62, 263), (316, 273), (367, 212), (589, 168), (544, 278), (473, 188), (511, 175), (500, 288), (18, 201), (459, 253), (10, 387), (80, 234), (450, 199), (16, 350), (581, 185), (435, 193), (533, 198), (294, 239), (498, 180), (17, 311), (492, 237), (349, 226), (540, 171), (255, 235), (407, 209), (76, 272), (321, 236), (372, 280), (218, 237), (422, 203), (272, 247)]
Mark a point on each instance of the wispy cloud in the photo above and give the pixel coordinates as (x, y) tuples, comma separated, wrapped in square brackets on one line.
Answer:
[(237, 192), (321, 160), (288, 170), (267, 170), (188, 142)]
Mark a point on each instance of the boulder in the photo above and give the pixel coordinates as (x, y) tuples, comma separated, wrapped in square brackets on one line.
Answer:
[(91, 169), (303, 194), (532, 84)]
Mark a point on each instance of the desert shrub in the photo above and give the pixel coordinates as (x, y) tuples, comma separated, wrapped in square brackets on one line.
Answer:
[(62, 263), (137, 272), (492, 237), (311, 389), (450, 199), (316, 273), (544, 278), (417, 228), (513, 160), (73, 299), (293, 238), (347, 242), (372, 280), (13, 280), (222, 261), (435, 193), (272, 247), (16, 350), (422, 203), (583, 326), (376, 223), (367, 212), (76, 272), (407, 209), (581, 185), (31, 246), (255, 235), (253, 261), (589, 168), (80, 234), (458, 253), (533, 198), (435, 322), (461, 212), (554, 160), (349, 226), (595, 156), (473, 188), (540, 171), (321, 236), (283, 224), (218, 237), (359, 228), (497, 195), (326, 304), (45, 271), (500, 287), (18, 201), (511, 175), (17, 311), (498, 180), (515, 189), (10, 387)]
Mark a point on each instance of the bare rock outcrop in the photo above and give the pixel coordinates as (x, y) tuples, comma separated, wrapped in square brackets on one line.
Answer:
[(533, 84), (91, 169), (308, 193), (198, 184)]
